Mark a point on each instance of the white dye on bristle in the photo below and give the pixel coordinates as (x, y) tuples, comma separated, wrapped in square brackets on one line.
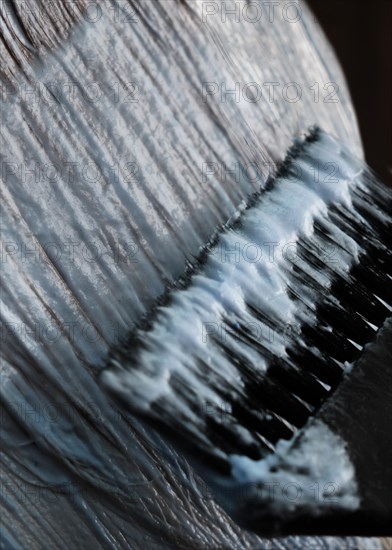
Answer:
[(388, 306), (249, 265), (308, 474)]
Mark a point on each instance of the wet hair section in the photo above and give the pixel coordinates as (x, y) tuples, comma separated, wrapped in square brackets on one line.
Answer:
[(29, 28), (133, 141), (124, 141)]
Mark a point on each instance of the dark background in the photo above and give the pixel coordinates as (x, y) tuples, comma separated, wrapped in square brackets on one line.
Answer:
[(361, 33)]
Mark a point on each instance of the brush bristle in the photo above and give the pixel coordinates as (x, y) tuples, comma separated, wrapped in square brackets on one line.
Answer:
[(245, 348)]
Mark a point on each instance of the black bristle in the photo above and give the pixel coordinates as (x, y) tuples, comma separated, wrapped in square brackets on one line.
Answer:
[(338, 313)]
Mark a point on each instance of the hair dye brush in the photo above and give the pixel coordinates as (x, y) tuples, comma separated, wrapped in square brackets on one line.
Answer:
[(249, 362)]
